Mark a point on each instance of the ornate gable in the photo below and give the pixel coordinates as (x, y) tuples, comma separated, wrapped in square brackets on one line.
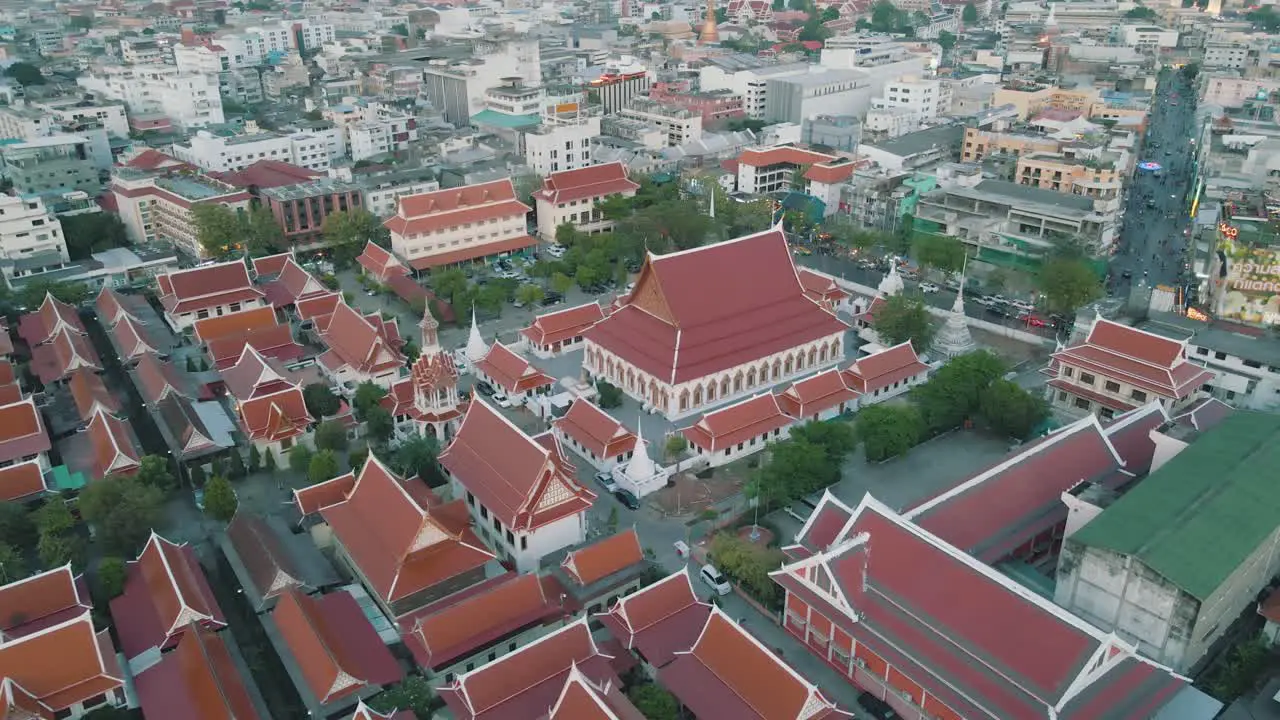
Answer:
[(554, 493), (648, 295), (429, 534)]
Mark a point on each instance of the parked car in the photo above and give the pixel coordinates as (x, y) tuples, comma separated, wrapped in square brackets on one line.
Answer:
[(928, 288), (556, 251), (501, 400), (551, 298), (484, 388), (714, 580), (1022, 305), (1034, 320), (876, 707), (605, 480), (627, 498)]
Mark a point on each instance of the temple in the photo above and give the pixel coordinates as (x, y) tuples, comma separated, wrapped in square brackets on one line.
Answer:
[(427, 402)]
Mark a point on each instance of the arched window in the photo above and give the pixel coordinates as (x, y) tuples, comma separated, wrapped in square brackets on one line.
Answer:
[(777, 369), (697, 396), (724, 386), (813, 356), (787, 367), (822, 354), (737, 382), (835, 349), (609, 369), (711, 390), (751, 377), (684, 399)]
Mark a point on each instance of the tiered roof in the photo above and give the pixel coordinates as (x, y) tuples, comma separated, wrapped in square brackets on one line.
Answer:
[(596, 430), (594, 181), (203, 288), (728, 426), (1151, 362), (562, 325), (22, 431), (882, 369), (361, 343), (52, 317), (114, 452), (165, 592)]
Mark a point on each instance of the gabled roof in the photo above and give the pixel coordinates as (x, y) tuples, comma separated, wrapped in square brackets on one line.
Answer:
[(522, 482), (554, 327), (270, 265), (687, 318), (273, 417), (783, 155), (41, 601), (114, 452), (198, 680), (531, 677), (605, 557), (511, 371), (236, 323), (132, 339), (269, 564), (1198, 517), (158, 379), (441, 636), (831, 173), (335, 647), (165, 591), (355, 341), (882, 369), (22, 481), (65, 352), (1152, 362), (52, 317), (728, 673), (1205, 414), (975, 640), (90, 394), (1130, 435), (658, 620), (728, 426), (254, 374), (292, 285), (596, 430), (265, 174), (274, 342), (187, 291), (817, 394), (62, 665), (22, 431), (317, 306), (364, 712), (112, 307), (582, 699), (380, 263), (593, 181), (400, 544), (993, 513), (184, 425), (820, 287), (454, 207)]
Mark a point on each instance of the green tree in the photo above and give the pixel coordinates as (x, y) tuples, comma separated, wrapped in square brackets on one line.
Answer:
[(794, 469), (16, 526), (829, 14), (323, 466), (400, 29), (413, 694), (220, 500), (613, 207), (380, 424), (813, 30), (218, 228), (368, 396), (1264, 17), (530, 295), (299, 459), (263, 235), (940, 252), (1190, 71), (196, 475), (25, 73), (54, 517), (356, 458), (675, 445), (610, 396), (996, 281), (1141, 13), (969, 14), (346, 233), (888, 430), (269, 462), (748, 565), (33, 293), (567, 235), (1011, 410), (123, 510), (560, 283), (836, 437), (654, 702), (331, 435), (946, 40), (56, 550), (13, 566), (952, 394), (1068, 283), (154, 470), (236, 468), (417, 456), (1241, 671), (902, 318), (93, 232), (111, 575)]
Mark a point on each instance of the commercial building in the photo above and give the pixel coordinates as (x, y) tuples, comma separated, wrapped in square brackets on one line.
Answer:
[(222, 154), (562, 140), (716, 106), (382, 193), (1099, 177), (746, 76), (768, 170), (158, 207), (979, 144), (457, 225), (51, 165), (1030, 99), (1245, 359), (301, 209), (622, 81), (372, 128), (679, 125), (110, 116), (570, 196)]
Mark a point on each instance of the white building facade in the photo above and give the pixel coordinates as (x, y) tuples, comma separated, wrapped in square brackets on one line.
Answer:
[(27, 229)]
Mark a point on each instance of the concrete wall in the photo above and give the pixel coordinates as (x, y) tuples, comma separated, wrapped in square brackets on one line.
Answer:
[(1235, 596)]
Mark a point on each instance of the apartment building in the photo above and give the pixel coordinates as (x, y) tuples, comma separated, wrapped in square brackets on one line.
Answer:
[(53, 164), (372, 128), (747, 76), (979, 144), (457, 88), (142, 51), (158, 207), (28, 229), (617, 89), (110, 116), (821, 91), (1148, 39), (768, 170), (1100, 178), (300, 209), (905, 106), (1245, 359), (1225, 55), (382, 193), (222, 154), (458, 225), (562, 140), (571, 196), (1029, 99), (186, 100), (679, 125)]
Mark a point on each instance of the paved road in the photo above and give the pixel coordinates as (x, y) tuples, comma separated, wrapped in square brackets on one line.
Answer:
[(1152, 242)]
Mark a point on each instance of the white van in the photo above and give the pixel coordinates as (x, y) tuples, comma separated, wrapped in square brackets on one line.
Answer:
[(717, 582)]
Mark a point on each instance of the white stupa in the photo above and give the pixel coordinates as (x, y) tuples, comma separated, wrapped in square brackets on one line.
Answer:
[(641, 475), (477, 348), (954, 337), (892, 283)]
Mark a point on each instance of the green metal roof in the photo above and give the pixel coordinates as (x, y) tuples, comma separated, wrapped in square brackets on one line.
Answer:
[(503, 120), (1198, 517)]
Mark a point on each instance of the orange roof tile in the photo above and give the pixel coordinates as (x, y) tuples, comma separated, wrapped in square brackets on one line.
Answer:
[(453, 207), (187, 291), (593, 181), (273, 417), (596, 430), (783, 155), (551, 328), (332, 665), (90, 394), (30, 604), (21, 481), (236, 323), (22, 431), (604, 557), (199, 680), (750, 418), (511, 371), (178, 595), (882, 369), (113, 450), (62, 665)]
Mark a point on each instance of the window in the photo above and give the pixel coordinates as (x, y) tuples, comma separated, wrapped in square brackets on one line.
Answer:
[(524, 542), (1219, 356), (1112, 387), (1252, 364), (511, 538), (1202, 351), (1082, 403), (511, 647), (1086, 378), (484, 512), (1138, 395), (471, 499)]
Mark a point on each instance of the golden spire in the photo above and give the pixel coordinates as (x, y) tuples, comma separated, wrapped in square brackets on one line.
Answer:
[(709, 32)]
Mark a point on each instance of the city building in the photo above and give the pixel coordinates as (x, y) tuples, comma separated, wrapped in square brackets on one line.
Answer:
[(51, 165), (382, 193), (1117, 368), (459, 225), (208, 291), (1100, 177), (372, 128), (157, 206), (529, 504), (562, 140), (736, 431), (821, 90), (713, 107), (182, 99), (594, 435), (677, 124), (686, 365), (300, 209), (558, 332), (1242, 357), (199, 675), (222, 154), (762, 171), (746, 76), (570, 196), (427, 403), (28, 229), (616, 90)]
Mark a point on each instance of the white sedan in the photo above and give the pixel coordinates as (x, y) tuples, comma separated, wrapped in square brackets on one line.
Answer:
[(501, 400), (928, 288)]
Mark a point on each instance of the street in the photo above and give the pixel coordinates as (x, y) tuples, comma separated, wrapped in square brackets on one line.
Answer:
[(1151, 244)]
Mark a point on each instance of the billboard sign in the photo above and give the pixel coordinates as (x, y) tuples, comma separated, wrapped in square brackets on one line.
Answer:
[(1247, 280)]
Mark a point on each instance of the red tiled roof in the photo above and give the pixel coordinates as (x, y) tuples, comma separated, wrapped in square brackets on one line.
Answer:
[(440, 636), (737, 423), (557, 327), (1130, 435), (882, 369), (824, 525), (658, 620), (157, 379), (728, 673), (269, 174), (7, 374), (511, 371), (298, 284), (820, 287), (112, 307), (153, 160), (317, 497), (187, 291), (22, 431), (274, 417), (185, 426), (531, 677), (593, 181), (596, 430), (236, 323), (783, 155), (90, 394), (63, 665), (42, 600), (335, 647), (113, 450), (1205, 414), (271, 568), (355, 342), (687, 318), (10, 393), (817, 394), (994, 513), (454, 207), (603, 558), (275, 342), (132, 339), (271, 265), (380, 263), (51, 318), (164, 592), (831, 173), (510, 472), (199, 679), (1149, 361), (379, 524), (318, 306), (496, 247), (582, 699), (21, 481), (255, 374), (66, 352)]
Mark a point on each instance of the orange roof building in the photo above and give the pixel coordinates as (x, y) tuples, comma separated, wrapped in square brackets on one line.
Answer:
[(596, 574), (692, 336), (66, 352), (515, 376), (90, 394), (133, 340), (766, 170), (429, 396), (41, 601), (113, 307), (521, 491), (156, 380), (822, 289), (114, 452), (274, 422), (52, 317), (22, 435), (236, 323), (207, 291), (407, 548), (561, 331), (361, 348), (61, 670), (819, 397), (458, 225), (594, 435), (739, 430), (884, 374), (570, 196), (22, 482), (380, 263), (199, 679)]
